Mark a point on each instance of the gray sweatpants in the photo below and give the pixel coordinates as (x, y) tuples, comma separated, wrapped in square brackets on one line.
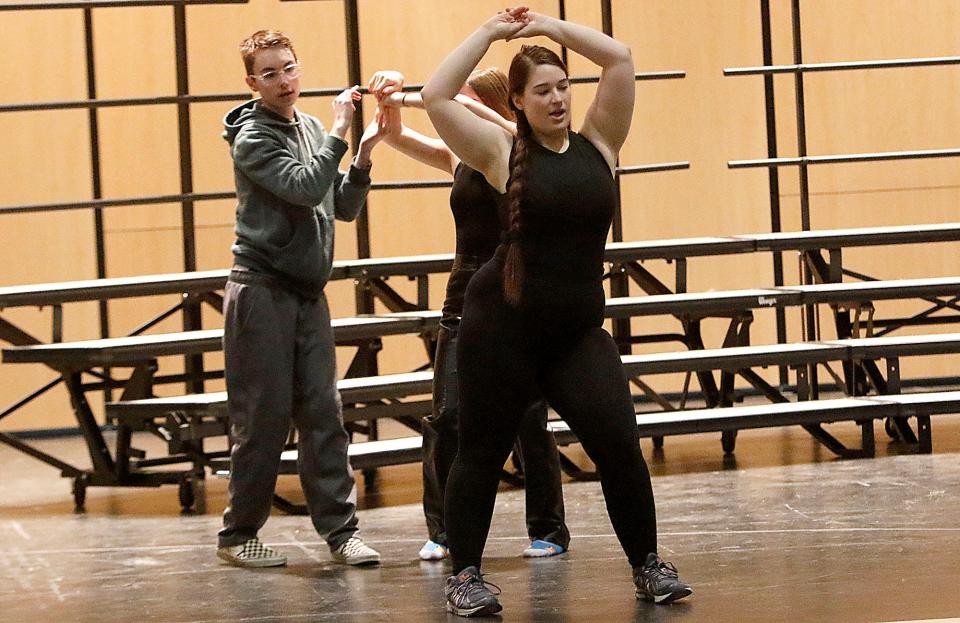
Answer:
[(280, 365)]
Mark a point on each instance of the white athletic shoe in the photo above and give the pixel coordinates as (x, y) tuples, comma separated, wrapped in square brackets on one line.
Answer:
[(355, 552)]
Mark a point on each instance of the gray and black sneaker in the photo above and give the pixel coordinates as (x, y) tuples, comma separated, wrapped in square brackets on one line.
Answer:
[(468, 595), (658, 581)]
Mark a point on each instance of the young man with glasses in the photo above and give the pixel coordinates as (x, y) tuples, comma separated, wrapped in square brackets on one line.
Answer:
[(280, 362)]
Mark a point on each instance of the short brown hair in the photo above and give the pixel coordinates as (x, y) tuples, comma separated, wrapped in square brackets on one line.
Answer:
[(262, 40)]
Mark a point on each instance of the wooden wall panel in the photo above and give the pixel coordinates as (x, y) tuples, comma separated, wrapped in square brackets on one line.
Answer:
[(706, 118)]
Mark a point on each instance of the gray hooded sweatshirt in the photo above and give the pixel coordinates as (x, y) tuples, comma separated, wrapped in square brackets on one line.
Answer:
[(289, 191)]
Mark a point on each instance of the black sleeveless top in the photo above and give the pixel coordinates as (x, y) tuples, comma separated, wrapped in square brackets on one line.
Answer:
[(568, 203), (479, 213)]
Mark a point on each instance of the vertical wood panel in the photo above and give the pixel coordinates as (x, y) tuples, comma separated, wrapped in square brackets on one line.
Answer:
[(706, 118)]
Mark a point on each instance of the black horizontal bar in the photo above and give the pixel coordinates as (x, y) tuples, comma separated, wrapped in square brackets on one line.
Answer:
[(157, 199), (154, 101), (111, 203), (647, 75), (653, 168), (841, 66), (239, 97), (889, 155), (107, 4), (408, 185)]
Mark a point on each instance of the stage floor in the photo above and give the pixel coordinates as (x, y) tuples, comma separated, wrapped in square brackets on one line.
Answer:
[(783, 533)]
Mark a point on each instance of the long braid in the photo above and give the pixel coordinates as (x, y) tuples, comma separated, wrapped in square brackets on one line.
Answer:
[(513, 269), (523, 63)]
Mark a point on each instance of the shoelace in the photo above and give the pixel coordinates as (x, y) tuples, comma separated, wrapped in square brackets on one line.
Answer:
[(475, 583), (665, 569)]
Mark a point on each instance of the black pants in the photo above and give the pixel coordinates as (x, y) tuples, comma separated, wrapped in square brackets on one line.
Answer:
[(535, 446), (553, 342)]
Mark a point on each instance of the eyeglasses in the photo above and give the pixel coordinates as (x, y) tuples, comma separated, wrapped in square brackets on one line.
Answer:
[(290, 70)]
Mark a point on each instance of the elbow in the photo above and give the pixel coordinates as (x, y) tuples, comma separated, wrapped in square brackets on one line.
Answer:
[(349, 214), (625, 54), (431, 95)]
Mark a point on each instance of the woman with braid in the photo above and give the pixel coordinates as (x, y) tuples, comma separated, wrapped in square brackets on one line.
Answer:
[(479, 216), (532, 316)]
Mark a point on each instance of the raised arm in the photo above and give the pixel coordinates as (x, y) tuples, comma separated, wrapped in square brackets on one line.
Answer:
[(415, 100), (481, 144), (607, 121), (429, 151), (433, 151)]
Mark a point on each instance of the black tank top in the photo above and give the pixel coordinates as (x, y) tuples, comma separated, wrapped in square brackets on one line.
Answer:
[(479, 214), (568, 204)]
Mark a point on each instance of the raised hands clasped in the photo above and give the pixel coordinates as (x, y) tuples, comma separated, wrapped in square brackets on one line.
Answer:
[(506, 23), (383, 83), (536, 24)]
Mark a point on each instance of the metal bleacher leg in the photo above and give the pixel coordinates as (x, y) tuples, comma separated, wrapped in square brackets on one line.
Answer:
[(925, 434), (868, 445), (900, 424), (728, 440), (79, 493)]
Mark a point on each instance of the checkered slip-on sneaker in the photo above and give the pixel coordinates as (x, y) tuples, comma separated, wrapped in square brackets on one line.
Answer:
[(252, 554), (353, 551)]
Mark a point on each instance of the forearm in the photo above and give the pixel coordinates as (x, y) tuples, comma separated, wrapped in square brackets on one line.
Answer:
[(453, 72), (363, 158), (340, 129), (599, 48), (429, 151), (271, 166), (410, 99), (351, 192), (485, 112)]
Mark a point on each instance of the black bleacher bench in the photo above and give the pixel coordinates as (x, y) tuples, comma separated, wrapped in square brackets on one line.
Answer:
[(385, 452), (116, 351), (138, 414), (363, 455), (693, 421), (214, 404), (209, 281)]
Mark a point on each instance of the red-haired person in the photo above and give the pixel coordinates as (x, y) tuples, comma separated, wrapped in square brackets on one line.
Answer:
[(479, 215)]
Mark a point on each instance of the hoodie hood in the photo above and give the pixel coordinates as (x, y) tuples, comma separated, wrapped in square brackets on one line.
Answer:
[(250, 111)]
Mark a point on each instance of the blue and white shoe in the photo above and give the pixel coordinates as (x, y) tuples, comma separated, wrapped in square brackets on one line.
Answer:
[(542, 549), (433, 551)]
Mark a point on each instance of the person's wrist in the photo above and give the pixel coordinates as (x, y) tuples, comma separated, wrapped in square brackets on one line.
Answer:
[(489, 33), (362, 160), (340, 128)]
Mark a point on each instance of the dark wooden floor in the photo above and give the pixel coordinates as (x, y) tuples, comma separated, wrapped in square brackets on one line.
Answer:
[(783, 533)]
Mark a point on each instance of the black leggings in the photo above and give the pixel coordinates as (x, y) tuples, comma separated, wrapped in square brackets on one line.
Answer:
[(553, 343), (535, 447)]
